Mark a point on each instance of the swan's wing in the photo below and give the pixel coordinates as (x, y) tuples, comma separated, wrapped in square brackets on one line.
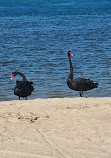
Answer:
[(82, 84)]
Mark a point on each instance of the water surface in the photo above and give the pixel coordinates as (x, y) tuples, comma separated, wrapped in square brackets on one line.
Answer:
[(35, 37)]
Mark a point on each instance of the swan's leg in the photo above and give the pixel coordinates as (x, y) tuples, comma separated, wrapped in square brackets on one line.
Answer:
[(26, 98), (19, 98), (81, 93)]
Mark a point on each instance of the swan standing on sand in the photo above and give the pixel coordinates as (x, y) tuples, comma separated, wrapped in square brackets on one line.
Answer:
[(23, 88), (79, 84)]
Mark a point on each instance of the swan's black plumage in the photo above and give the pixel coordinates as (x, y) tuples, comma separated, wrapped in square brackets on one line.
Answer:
[(23, 88), (79, 84)]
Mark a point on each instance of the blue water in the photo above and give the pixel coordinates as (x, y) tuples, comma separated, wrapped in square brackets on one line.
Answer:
[(35, 36)]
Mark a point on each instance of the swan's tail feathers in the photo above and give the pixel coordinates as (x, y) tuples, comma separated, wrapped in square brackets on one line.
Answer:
[(96, 85)]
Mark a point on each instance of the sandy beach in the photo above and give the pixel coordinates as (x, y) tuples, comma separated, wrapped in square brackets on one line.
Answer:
[(56, 128)]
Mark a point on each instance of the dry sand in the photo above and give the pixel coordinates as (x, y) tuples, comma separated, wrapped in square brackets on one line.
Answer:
[(56, 128)]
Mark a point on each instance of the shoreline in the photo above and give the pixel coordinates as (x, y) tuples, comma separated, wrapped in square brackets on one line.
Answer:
[(73, 97), (56, 128)]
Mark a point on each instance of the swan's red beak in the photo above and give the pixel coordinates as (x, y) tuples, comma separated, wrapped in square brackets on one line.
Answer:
[(71, 53), (12, 76)]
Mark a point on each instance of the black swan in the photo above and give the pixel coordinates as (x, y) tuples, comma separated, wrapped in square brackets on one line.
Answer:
[(79, 84), (23, 88)]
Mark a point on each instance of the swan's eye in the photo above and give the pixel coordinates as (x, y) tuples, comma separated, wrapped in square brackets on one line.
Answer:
[(12, 76)]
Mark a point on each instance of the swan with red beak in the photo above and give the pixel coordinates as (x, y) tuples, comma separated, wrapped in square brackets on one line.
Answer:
[(79, 84), (23, 88)]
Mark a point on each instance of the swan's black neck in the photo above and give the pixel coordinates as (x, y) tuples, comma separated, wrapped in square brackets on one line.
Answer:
[(71, 68), (21, 74)]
